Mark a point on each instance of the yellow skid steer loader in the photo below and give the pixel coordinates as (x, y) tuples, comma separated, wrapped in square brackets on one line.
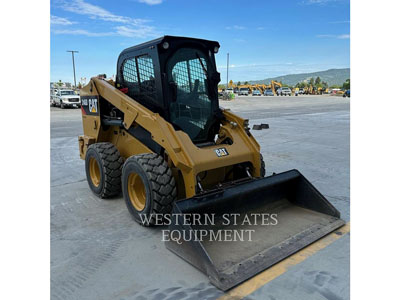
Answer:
[(158, 134)]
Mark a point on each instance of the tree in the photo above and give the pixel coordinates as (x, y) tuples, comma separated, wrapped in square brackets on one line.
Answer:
[(79, 85), (221, 86), (312, 81), (59, 83), (317, 80), (246, 82), (238, 83), (346, 84), (230, 83)]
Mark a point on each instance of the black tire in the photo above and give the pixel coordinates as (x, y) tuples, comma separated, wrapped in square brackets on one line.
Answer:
[(62, 105), (159, 185), (109, 163), (262, 170)]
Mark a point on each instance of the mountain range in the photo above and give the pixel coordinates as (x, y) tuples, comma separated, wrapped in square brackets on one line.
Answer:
[(331, 76)]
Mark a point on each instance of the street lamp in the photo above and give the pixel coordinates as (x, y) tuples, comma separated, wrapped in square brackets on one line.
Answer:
[(73, 63), (227, 70)]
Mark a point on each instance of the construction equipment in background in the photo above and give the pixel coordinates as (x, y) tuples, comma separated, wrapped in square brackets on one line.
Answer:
[(275, 86), (159, 135), (260, 87), (252, 87), (309, 89), (231, 85), (249, 87)]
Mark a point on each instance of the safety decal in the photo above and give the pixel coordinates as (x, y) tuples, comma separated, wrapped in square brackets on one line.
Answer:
[(90, 104)]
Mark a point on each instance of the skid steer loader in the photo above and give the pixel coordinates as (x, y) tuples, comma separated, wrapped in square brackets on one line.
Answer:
[(158, 134)]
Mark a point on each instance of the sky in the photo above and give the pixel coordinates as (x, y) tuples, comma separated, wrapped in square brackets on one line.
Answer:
[(263, 38)]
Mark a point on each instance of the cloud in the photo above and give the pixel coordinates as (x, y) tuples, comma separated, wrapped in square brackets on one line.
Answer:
[(151, 2), (133, 27), (60, 21), (82, 32), (125, 31), (235, 27), (343, 36), (334, 36), (94, 12), (142, 32)]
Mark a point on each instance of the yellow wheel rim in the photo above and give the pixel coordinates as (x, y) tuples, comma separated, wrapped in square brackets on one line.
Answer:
[(94, 171), (136, 191)]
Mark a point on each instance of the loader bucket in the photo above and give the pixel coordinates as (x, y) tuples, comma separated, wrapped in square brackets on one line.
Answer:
[(303, 216)]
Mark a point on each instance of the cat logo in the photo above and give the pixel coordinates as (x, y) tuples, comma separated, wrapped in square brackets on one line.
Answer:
[(221, 152), (93, 105)]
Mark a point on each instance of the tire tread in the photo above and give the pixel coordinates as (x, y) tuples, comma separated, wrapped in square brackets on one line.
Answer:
[(112, 168)]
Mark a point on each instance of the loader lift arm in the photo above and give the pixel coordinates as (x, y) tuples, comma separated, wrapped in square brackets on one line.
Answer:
[(176, 143)]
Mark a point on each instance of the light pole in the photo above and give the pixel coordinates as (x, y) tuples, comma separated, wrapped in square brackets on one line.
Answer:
[(73, 64), (227, 70)]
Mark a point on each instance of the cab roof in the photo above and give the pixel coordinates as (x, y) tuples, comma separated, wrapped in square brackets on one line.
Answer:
[(170, 39)]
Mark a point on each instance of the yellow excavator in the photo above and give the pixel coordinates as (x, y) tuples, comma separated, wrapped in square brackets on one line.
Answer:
[(231, 85), (158, 135), (275, 85), (246, 86), (260, 87)]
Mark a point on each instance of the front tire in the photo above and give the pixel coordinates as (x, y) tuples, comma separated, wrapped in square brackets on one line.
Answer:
[(103, 164), (148, 187), (62, 106)]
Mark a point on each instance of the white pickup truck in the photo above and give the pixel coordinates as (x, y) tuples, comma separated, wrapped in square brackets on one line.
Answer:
[(243, 91), (66, 98), (285, 91)]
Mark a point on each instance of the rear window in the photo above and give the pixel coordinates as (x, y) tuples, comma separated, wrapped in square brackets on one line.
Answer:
[(138, 76)]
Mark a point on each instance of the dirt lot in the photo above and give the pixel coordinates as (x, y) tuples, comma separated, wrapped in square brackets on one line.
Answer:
[(99, 252)]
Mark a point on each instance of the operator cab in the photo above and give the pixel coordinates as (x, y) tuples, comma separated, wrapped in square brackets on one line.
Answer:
[(177, 78)]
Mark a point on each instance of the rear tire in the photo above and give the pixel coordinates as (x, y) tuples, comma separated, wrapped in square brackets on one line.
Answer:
[(103, 164), (148, 186)]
